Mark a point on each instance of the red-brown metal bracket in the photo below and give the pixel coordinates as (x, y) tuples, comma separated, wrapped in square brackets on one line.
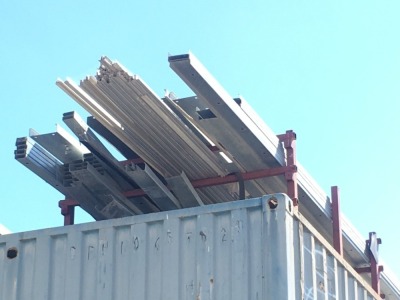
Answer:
[(226, 179), (68, 210), (375, 269), (372, 243), (289, 142), (336, 220), (289, 171)]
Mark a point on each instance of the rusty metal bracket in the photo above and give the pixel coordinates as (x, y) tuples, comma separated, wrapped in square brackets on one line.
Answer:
[(289, 171), (372, 245), (289, 142), (336, 220), (242, 193), (68, 210)]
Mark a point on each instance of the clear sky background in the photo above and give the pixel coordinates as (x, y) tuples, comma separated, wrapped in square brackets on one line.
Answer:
[(329, 70)]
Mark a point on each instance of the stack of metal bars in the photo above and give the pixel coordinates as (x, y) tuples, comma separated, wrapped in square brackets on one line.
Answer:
[(39, 161), (131, 111), (48, 156), (69, 167)]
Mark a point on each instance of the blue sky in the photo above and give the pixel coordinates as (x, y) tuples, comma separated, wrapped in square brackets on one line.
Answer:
[(329, 70)]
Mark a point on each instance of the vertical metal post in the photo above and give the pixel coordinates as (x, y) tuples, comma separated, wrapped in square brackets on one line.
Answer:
[(289, 142), (375, 269), (337, 228), (278, 259), (373, 244), (68, 210)]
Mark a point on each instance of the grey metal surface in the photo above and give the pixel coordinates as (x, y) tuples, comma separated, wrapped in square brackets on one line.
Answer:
[(61, 145), (39, 161), (229, 135), (238, 250), (76, 124), (102, 186), (184, 191), (111, 138), (152, 186)]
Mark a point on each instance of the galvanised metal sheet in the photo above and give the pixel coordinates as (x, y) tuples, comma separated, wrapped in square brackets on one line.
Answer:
[(251, 249)]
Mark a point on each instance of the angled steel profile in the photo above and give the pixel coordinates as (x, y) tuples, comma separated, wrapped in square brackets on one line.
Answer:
[(184, 191), (152, 186), (39, 161), (111, 138), (60, 144), (76, 124), (102, 186)]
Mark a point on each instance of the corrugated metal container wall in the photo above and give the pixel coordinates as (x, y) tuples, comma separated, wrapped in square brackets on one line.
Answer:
[(252, 249)]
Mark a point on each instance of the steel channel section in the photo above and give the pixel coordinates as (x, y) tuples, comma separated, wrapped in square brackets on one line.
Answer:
[(102, 186), (253, 249), (61, 145), (226, 138), (247, 136), (39, 161), (171, 105), (86, 189), (76, 124), (122, 181), (184, 191), (88, 201), (111, 138), (152, 186), (84, 133), (224, 107), (182, 111), (110, 165)]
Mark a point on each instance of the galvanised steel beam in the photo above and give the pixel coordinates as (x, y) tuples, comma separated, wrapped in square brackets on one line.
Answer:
[(184, 191), (152, 186)]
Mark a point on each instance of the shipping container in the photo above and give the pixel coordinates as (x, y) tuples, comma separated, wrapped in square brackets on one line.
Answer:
[(260, 248)]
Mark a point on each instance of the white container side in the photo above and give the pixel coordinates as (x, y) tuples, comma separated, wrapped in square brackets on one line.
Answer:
[(238, 250)]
